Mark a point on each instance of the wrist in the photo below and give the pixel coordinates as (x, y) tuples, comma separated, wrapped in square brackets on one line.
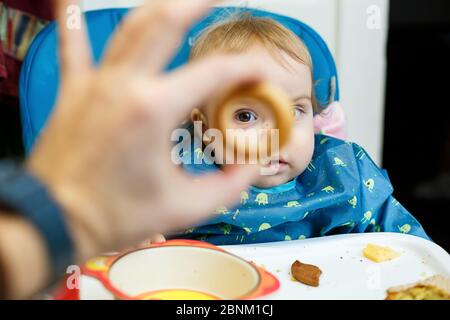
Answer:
[(84, 223), (29, 200), (23, 256), (82, 215)]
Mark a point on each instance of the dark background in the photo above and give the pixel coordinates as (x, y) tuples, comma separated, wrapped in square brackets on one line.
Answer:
[(10, 129), (417, 119)]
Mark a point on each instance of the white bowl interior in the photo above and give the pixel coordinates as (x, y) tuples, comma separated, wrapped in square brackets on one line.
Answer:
[(188, 268)]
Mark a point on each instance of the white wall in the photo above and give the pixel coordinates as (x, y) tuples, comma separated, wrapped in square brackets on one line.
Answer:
[(358, 49), (361, 58), (100, 4)]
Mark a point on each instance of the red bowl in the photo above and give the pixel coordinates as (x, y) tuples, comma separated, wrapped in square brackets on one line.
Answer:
[(180, 269)]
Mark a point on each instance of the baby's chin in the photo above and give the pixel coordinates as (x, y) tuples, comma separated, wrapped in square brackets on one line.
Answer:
[(269, 181)]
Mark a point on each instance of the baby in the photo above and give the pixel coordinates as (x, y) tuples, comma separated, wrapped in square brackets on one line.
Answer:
[(322, 185)]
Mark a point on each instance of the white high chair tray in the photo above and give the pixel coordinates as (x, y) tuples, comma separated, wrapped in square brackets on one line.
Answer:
[(346, 273)]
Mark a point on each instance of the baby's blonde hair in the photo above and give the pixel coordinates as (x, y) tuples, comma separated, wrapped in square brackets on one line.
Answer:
[(242, 31)]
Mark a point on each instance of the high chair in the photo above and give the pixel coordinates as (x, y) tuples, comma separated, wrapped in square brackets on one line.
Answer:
[(39, 79)]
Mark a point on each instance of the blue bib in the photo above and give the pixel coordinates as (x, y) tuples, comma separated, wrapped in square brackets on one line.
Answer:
[(341, 191)]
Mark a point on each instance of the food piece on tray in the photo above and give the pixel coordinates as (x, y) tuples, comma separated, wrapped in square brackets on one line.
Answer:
[(433, 288), (306, 273), (379, 254)]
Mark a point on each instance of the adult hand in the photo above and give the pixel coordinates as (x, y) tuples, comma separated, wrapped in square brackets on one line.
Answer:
[(105, 153)]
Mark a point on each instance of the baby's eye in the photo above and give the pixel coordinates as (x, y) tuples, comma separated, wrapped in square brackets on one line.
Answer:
[(245, 116), (297, 112)]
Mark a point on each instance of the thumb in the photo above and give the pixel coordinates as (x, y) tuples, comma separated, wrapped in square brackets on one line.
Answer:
[(220, 189)]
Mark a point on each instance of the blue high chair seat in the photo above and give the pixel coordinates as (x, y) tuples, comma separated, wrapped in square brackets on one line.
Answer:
[(40, 72)]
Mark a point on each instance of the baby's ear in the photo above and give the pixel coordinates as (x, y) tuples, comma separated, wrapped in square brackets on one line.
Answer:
[(200, 122)]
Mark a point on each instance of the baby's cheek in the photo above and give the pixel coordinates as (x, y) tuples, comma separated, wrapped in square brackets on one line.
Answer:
[(301, 148)]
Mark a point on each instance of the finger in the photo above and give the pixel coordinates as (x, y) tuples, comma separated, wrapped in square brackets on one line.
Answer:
[(211, 191), (157, 238), (149, 37), (73, 43), (206, 79)]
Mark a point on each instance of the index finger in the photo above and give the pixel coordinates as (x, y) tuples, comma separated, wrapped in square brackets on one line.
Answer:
[(205, 79), (74, 49), (149, 36)]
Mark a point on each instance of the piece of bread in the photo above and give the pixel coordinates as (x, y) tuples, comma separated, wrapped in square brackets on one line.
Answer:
[(433, 288)]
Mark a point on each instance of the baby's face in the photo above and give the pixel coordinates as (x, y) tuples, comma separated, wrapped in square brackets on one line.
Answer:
[(296, 81)]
